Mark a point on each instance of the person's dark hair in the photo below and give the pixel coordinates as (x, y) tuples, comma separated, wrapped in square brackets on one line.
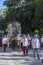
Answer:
[(4, 34)]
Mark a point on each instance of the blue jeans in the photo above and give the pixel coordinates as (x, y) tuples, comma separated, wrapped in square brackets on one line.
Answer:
[(42, 45), (36, 53)]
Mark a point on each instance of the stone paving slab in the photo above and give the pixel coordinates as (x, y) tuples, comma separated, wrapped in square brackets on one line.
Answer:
[(4, 62), (19, 59), (11, 57), (5, 58)]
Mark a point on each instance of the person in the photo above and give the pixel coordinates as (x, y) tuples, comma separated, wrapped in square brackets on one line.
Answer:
[(8, 40), (36, 46), (29, 40), (25, 45), (42, 42), (18, 39), (4, 42)]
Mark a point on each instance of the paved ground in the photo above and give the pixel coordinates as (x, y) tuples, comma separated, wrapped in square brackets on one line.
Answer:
[(5, 58), (11, 57)]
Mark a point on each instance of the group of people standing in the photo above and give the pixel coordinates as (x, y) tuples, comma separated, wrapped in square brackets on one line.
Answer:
[(35, 43), (26, 41)]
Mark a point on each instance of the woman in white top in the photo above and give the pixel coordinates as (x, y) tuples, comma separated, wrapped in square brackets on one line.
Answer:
[(25, 45), (4, 42)]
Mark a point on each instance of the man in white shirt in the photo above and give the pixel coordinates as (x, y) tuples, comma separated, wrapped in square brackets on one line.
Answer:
[(36, 45), (25, 45), (42, 42)]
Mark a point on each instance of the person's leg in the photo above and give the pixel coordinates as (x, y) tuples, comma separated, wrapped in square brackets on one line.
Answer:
[(38, 54), (34, 53), (41, 46), (27, 50), (23, 48), (21, 45), (4, 47)]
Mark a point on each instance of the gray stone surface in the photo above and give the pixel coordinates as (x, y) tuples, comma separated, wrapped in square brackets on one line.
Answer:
[(19, 59), (11, 57), (5, 58)]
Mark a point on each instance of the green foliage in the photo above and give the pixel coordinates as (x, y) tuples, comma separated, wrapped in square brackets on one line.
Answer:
[(3, 23), (36, 32), (30, 14), (41, 31)]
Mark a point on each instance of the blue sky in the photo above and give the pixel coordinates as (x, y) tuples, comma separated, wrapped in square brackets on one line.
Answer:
[(1, 4)]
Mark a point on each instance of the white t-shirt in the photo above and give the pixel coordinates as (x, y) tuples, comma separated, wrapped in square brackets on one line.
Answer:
[(4, 40), (35, 42), (25, 42)]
